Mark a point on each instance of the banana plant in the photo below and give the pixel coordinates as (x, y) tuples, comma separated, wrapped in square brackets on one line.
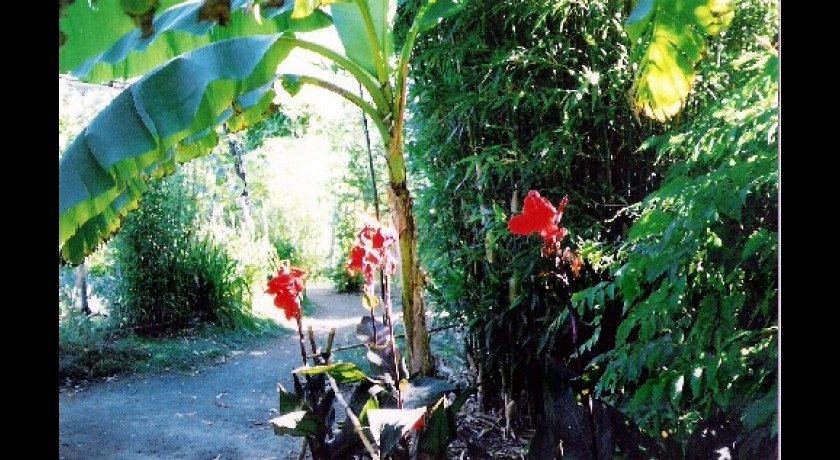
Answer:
[(206, 63)]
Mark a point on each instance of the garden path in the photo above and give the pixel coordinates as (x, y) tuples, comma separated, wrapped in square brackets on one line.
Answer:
[(220, 412)]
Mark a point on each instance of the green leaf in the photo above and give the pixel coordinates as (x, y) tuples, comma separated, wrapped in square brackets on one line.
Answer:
[(760, 411), (728, 203), (652, 223), (756, 241), (371, 404), (103, 43), (165, 118), (424, 391), (298, 423), (291, 83), (341, 372), (695, 381), (289, 401), (359, 45), (628, 279), (439, 10), (438, 432), (440, 429), (668, 39), (389, 425)]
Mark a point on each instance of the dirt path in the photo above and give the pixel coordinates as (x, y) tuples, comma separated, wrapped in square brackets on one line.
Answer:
[(221, 412)]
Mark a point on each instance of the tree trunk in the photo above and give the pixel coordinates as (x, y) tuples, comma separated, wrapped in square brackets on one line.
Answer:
[(81, 287), (244, 200), (420, 360)]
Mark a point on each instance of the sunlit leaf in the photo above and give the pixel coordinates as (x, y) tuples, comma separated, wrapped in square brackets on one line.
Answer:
[(389, 425), (103, 43), (341, 372), (304, 8), (359, 46), (668, 39), (298, 423)]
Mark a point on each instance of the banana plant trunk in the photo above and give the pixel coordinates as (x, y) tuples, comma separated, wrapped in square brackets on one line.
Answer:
[(420, 360)]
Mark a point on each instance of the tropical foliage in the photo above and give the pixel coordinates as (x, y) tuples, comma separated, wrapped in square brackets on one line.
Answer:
[(171, 277), (698, 274), (676, 222), (521, 98), (644, 323), (100, 182)]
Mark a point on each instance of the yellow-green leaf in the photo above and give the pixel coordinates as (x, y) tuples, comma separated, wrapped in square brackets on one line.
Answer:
[(102, 43), (304, 8), (668, 39)]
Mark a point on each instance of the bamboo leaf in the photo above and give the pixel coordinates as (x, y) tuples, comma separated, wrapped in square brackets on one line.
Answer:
[(439, 10)]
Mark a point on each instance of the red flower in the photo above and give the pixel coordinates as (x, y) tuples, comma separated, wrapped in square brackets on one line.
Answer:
[(286, 287), (371, 251), (357, 256), (538, 215), (418, 424)]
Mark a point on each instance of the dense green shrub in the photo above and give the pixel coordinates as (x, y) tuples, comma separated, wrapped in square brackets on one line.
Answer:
[(509, 97), (171, 275), (698, 274)]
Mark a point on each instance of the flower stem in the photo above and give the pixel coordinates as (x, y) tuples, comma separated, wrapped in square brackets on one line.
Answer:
[(302, 340), (386, 294), (357, 425)]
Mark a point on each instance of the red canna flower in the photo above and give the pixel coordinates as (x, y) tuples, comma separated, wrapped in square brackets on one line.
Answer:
[(419, 423), (286, 287), (357, 257), (538, 215), (371, 251)]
